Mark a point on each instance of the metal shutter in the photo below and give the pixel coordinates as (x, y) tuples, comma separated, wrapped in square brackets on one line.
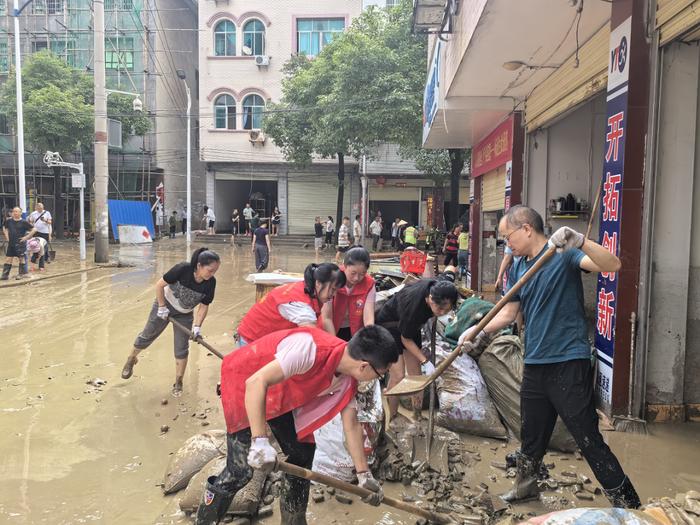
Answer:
[(493, 190), (312, 196), (675, 18)]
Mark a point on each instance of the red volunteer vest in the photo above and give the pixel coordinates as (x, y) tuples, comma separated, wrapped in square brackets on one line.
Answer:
[(354, 304), (264, 317), (291, 393)]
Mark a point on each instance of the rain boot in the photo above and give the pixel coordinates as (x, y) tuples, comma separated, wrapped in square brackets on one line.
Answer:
[(291, 516), (129, 367), (215, 503), (525, 486), (22, 271), (624, 496), (6, 272)]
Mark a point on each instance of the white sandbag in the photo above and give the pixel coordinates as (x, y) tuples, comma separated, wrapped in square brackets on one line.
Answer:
[(464, 401), (331, 457), (192, 456), (192, 495)]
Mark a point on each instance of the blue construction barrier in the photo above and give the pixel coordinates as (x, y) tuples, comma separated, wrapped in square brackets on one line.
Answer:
[(137, 213)]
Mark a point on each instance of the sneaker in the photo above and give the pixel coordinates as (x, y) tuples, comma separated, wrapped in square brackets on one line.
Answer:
[(177, 389)]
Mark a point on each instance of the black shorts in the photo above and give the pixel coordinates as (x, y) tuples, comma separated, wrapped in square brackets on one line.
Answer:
[(211, 224), (15, 249), (343, 249)]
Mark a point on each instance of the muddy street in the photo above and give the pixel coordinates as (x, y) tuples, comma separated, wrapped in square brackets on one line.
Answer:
[(80, 445)]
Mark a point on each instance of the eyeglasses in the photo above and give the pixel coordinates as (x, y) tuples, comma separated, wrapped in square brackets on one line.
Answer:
[(507, 237), (379, 376)]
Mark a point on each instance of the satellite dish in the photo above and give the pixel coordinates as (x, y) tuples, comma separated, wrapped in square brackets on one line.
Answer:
[(247, 51)]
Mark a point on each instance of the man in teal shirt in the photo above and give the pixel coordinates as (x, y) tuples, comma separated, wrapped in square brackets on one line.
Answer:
[(558, 376)]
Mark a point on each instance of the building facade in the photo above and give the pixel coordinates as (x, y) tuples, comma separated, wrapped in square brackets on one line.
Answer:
[(609, 112), (146, 41)]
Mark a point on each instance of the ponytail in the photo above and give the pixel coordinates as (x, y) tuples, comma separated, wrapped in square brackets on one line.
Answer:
[(203, 256), (323, 273)]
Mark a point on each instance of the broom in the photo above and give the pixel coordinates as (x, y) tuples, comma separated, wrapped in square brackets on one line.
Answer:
[(629, 423)]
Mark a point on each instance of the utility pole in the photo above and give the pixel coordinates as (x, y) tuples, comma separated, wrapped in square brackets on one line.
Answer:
[(101, 166), (182, 76), (20, 111)]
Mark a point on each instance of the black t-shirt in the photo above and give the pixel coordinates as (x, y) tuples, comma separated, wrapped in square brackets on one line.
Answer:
[(260, 234), (184, 293), (408, 308), (17, 229), (318, 229)]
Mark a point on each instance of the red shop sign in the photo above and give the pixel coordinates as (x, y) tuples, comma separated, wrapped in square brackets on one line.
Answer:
[(495, 150)]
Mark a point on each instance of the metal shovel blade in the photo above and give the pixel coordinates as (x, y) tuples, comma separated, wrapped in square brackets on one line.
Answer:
[(415, 384)]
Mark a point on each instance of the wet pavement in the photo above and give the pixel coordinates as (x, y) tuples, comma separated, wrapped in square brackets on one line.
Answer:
[(74, 452)]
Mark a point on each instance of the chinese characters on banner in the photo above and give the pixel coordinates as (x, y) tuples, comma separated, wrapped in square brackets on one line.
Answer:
[(611, 205), (494, 150)]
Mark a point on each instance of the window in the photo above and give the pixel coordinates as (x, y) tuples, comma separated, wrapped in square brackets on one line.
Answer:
[(64, 49), (254, 37), (54, 7), (119, 53), (39, 7), (3, 7), (4, 58), (225, 112), (392, 3), (39, 45), (314, 34), (122, 5), (225, 39), (4, 126), (253, 107)]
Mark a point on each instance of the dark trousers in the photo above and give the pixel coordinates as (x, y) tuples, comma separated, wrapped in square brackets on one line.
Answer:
[(295, 493), (565, 389), (262, 257), (184, 226), (450, 258), (44, 236)]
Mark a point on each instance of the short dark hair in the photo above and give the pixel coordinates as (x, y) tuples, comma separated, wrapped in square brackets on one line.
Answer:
[(374, 344), (357, 217), (357, 255), (444, 291), (520, 215)]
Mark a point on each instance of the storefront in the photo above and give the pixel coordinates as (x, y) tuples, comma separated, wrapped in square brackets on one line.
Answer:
[(496, 185)]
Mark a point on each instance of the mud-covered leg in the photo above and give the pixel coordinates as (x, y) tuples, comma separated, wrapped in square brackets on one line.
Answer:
[(294, 496), (221, 489)]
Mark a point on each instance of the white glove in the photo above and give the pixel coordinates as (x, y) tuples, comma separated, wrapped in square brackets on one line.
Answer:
[(476, 346), (565, 239), (261, 454), (427, 368), (367, 481), (163, 312), (465, 335), (196, 332)]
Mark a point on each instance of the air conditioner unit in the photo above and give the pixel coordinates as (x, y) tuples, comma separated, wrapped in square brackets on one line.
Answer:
[(257, 136), (262, 60)]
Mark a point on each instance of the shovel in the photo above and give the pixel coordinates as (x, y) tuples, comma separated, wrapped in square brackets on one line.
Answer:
[(414, 384), (433, 392), (197, 339), (303, 473)]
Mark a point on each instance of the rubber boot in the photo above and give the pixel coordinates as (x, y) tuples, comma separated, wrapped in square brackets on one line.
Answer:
[(624, 496), (22, 271), (129, 367), (291, 517), (6, 268), (215, 503), (525, 486), (247, 500)]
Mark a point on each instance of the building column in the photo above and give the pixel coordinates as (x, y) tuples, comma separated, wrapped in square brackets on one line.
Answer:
[(282, 202)]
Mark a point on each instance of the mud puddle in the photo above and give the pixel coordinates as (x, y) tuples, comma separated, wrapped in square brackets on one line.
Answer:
[(75, 452)]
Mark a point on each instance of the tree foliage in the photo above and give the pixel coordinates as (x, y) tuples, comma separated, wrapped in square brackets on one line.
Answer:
[(121, 107)]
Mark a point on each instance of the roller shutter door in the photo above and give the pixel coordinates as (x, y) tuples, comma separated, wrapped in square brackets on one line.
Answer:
[(677, 19), (493, 190), (570, 86), (309, 198)]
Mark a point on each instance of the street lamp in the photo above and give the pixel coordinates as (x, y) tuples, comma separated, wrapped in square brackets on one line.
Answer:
[(188, 210), (52, 158)]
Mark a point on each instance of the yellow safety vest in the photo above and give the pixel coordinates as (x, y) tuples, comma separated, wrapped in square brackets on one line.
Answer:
[(410, 235)]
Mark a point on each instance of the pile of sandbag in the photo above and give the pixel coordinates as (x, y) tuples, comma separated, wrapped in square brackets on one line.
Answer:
[(331, 457), (192, 457), (463, 399)]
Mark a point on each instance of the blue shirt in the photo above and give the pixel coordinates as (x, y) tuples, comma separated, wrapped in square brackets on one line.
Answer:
[(552, 305)]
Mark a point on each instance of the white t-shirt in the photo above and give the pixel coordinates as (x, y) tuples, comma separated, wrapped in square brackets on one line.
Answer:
[(40, 225), (298, 313), (375, 228), (296, 355), (210, 215), (329, 226), (357, 230), (247, 213)]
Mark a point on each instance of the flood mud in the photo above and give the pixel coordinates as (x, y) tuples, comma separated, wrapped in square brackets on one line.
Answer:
[(79, 450)]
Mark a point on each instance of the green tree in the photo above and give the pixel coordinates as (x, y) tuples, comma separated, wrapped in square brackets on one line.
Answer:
[(121, 107)]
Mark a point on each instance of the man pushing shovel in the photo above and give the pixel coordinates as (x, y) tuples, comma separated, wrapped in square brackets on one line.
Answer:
[(557, 377), (295, 381)]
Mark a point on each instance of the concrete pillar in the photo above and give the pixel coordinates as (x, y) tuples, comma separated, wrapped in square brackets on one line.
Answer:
[(282, 202), (671, 252)]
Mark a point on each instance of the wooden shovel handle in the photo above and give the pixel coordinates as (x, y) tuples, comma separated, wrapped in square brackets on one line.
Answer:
[(198, 339), (303, 473)]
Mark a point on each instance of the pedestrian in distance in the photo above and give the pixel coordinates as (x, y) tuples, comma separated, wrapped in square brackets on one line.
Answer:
[(255, 221), (247, 216), (210, 219), (410, 235), (236, 223), (404, 314), (352, 306), (463, 253), (357, 231), (172, 222), (184, 221), (276, 219), (343, 239), (42, 222), (293, 304), (36, 246), (330, 228), (277, 381), (375, 230), (186, 286), (558, 375), (318, 236), (395, 228), (451, 245), (261, 247), (16, 231)]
